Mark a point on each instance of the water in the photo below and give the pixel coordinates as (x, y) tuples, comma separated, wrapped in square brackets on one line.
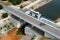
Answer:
[(50, 10)]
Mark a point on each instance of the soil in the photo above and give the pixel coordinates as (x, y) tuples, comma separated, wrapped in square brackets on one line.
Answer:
[(11, 35)]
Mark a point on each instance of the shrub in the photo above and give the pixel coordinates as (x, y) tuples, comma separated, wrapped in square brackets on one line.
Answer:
[(33, 37), (21, 6), (21, 30), (18, 32)]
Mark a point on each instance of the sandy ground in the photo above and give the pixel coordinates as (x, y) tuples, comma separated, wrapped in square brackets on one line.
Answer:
[(11, 35)]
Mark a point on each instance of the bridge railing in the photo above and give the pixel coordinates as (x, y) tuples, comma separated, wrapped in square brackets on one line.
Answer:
[(49, 23)]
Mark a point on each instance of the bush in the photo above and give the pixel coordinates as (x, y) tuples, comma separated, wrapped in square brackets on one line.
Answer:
[(4, 15), (1, 7)]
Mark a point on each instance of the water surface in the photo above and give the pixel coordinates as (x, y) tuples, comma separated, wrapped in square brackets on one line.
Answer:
[(50, 10)]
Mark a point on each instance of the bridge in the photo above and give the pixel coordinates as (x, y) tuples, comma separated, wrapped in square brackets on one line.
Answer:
[(49, 27)]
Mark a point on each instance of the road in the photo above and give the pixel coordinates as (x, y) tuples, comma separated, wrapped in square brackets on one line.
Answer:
[(33, 21)]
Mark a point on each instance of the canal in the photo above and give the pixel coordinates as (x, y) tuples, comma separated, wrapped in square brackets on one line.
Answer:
[(50, 10)]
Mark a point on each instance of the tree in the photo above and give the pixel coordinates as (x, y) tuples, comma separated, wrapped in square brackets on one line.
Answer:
[(4, 15), (15, 2), (25, 0), (1, 7), (3, 0), (10, 0)]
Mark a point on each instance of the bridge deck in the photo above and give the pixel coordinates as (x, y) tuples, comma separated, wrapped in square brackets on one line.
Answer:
[(33, 21)]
